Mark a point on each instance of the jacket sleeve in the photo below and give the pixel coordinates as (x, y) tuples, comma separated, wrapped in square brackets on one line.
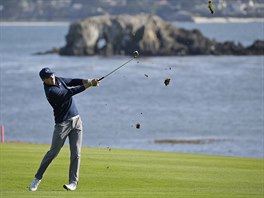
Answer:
[(72, 81), (57, 95)]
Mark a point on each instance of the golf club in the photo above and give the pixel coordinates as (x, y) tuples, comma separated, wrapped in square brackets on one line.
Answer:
[(135, 55)]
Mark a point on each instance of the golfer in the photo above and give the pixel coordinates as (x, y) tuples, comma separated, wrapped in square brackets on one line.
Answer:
[(59, 92)]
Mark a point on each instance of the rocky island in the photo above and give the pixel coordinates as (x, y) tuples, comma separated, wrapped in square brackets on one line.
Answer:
[(149, 34)]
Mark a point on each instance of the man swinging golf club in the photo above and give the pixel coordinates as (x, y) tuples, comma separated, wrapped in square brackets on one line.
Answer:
[(59, 92)]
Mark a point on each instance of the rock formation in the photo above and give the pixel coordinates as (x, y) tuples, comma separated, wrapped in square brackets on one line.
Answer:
[(150, 35)]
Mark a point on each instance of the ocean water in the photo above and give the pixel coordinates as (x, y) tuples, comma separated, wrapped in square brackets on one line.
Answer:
[(213, 104)]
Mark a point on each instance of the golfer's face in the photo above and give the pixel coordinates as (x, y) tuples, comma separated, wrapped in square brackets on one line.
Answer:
[(50, 80)]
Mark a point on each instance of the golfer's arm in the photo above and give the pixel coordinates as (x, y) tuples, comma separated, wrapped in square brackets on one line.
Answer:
[(62, 95), (77, 89), (72, 81), (76, 82)]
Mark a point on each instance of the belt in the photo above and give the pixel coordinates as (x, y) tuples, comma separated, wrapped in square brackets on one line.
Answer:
[(74, 117)]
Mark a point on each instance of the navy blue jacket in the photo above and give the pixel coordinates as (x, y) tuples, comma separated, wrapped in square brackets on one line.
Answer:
[(60, 97)]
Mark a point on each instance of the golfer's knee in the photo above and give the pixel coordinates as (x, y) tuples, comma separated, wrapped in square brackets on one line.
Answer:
[(53, 153), (75, 155)]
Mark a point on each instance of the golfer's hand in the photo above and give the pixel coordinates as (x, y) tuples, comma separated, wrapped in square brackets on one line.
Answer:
[(95, 83), (90, 83)]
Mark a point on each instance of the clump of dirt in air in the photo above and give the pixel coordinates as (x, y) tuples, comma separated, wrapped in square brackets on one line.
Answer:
[(167, 81)]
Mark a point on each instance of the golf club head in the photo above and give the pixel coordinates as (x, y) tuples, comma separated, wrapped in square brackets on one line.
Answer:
[(135, 54)]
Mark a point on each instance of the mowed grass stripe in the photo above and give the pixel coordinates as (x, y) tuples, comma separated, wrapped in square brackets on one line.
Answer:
[(130, 173)]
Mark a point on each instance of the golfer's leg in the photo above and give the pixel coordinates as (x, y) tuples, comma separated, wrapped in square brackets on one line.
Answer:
[(75, 138), (58, 139)]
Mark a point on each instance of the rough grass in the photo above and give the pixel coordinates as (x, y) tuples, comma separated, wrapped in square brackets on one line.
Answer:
[(126, 173)]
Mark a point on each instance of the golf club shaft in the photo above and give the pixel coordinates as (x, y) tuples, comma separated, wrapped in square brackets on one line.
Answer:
[(116, 69)]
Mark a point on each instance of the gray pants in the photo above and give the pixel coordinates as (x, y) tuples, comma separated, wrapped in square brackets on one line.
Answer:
[(71, 128)]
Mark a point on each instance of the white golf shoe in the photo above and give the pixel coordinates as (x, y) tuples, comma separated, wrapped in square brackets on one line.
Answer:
[(71, 186), (34, 185)]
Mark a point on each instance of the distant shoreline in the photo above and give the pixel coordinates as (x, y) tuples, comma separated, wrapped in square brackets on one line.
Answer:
[(226, 20), (195, 20), (34, 23)]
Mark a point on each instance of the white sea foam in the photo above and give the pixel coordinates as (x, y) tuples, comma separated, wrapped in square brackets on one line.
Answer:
[(226, 20)]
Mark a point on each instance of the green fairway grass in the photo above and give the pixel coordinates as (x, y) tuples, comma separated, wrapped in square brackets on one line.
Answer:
[(128, 173)]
